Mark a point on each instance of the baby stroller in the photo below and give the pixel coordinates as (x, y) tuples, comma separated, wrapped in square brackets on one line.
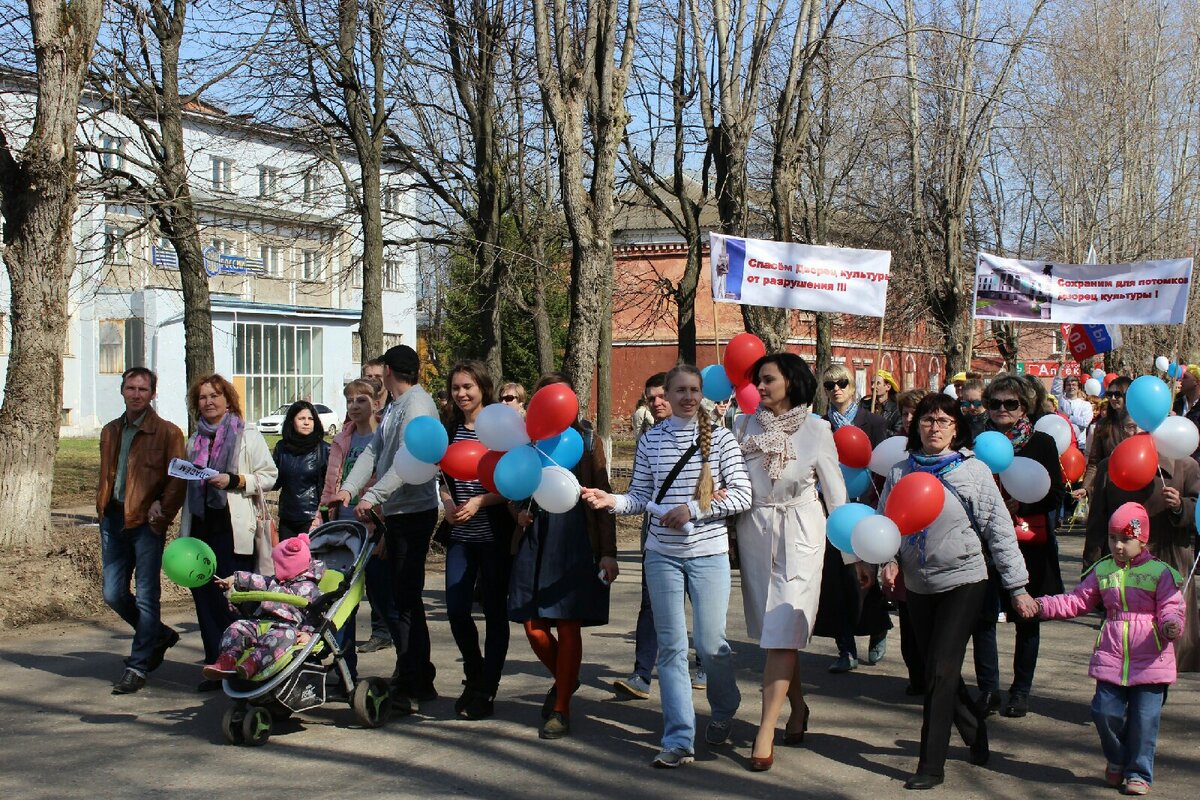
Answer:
[(300, 680)]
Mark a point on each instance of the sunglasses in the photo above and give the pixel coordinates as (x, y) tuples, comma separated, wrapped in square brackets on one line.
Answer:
[(840, 383), (508, 398), (1114, 395), (1007, 405), (970, 403)]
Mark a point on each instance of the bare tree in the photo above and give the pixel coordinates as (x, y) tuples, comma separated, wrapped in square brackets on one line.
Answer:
[(38, 199)]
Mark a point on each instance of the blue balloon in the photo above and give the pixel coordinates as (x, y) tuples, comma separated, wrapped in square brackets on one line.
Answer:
[(518, 473), (994, 449), (716, 383), (426, 439), (565, 450), (858, 480), (1148, 402), (1173, 370), (841, 524)]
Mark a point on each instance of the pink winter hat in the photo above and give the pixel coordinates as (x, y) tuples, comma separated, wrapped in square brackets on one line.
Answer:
[(1131, 521), (291, 557)]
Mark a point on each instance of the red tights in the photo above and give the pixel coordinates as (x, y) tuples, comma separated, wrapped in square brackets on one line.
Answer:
[(562, 656)]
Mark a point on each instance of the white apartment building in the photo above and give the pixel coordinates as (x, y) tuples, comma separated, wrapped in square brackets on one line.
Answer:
[(282, 250)]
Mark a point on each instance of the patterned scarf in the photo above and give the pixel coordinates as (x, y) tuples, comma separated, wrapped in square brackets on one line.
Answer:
[(214, 446), (1018, 434), (775, 442), (838, 419), (937, 466)]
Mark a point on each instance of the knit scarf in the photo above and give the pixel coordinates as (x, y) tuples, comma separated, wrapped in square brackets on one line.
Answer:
[(215, 447), (1018, 434), (936, 465), (838, 419), (775, 442)]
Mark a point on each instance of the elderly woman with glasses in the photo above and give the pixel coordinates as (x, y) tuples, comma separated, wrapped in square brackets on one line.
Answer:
[(846, 609), (946, 576), (1009, 400)]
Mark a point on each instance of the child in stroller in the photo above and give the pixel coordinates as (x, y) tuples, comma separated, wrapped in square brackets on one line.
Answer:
[(251, 645)]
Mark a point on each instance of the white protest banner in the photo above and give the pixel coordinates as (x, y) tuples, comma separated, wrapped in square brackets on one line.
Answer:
[(784, 275), (179, 468), (1144, 293)]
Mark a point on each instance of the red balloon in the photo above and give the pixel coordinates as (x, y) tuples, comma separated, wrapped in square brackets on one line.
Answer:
[(853, 446), (1073, 464), (1134, 462), (1109, 378), (747, 397), (487, 469), (915, 502), (462, 460), (551, 410), (740, 354)]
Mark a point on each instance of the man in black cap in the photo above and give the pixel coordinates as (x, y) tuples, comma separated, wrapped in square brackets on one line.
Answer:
[(410, 512)]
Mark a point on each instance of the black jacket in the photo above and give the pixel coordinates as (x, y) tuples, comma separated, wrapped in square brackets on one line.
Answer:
[(301, 478)]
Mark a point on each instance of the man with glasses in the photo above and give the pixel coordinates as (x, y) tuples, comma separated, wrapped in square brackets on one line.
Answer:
[(1073, 405), (970, 400)]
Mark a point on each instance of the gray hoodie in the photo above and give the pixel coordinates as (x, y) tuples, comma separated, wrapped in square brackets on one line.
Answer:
[(953, 551), (390, 491)]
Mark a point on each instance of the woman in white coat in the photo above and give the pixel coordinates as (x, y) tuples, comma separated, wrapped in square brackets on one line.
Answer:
[(781, 539), (220, 511)]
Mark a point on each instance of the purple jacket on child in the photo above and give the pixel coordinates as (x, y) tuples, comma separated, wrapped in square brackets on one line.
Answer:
[(1139, 596), (305, 585)]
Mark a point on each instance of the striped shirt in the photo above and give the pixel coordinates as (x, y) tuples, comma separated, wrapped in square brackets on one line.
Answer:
[(659, 449), (478, 528)]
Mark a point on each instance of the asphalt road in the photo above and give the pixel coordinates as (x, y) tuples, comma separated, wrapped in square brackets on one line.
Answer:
[(66, 737)]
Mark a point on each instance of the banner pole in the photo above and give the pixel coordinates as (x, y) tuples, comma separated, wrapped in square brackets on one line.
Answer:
[(716, 332), (878, 361)]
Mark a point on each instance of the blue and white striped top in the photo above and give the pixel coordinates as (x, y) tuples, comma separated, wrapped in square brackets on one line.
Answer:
[(658, 450), (479, 527)]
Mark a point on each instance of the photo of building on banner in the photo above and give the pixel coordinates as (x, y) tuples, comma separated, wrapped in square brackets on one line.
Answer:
[(809, 277), (1143, 293)]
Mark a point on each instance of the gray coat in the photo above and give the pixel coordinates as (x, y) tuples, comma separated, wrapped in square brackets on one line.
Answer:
[(953, 549), (396, 496)]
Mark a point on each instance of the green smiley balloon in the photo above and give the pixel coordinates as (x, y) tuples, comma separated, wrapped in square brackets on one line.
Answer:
[(189, 562)]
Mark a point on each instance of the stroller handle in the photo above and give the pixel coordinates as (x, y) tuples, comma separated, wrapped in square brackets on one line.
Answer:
[(263, 597)]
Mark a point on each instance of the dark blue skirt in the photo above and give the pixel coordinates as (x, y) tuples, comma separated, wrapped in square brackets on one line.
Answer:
[(554, 574)]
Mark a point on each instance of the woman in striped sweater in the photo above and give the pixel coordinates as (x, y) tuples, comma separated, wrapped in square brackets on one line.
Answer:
[(678, 465)]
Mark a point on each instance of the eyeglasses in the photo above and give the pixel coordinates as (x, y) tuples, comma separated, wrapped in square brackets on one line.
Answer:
[(970, 403), (1007, 405), (1113, 394), (840, 383), (941, 423), (508, 398)]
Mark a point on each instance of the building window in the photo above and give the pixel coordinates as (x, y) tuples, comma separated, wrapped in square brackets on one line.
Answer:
[(391, 200), (312, 186), (355, 348), (392, 340), (269, 179), (279, 363), (935, 375), (163, 254), (310, 265), (1060, 344), (112, 152), (392, 274), (116, 247), (122, 345), (272, 259), (356, 272), (222, 174)]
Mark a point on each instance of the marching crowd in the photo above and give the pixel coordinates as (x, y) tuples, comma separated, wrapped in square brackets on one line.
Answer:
[(715, 490)]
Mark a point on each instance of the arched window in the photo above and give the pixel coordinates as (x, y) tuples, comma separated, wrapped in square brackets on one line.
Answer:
[(935, 374)]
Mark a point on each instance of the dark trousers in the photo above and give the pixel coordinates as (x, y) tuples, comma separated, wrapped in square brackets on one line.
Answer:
[(943, 623), (213, 612), (983, 642), (1025, 647), (293, 527), (909, 649), (486, 564), (378, 575), (408, 538), (133, 553)]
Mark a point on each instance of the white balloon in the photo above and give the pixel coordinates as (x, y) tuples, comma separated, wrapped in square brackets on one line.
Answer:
[(888, 452), (875, 539), (950, 390), (500, 427), (1176, 437), (1162, 362), (559, 490), (1026, 481), (1098, 374), (411, 469), (1093, 387), (1058, 428)]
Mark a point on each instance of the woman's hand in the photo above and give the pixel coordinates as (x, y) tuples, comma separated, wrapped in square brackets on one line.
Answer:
[(1172, 498), (865, 574), (1025, 606), (888, 574), (598, 499), (467, 510), (524, 518), (220, 480), (342, 498), (676, 518), (610, 567)]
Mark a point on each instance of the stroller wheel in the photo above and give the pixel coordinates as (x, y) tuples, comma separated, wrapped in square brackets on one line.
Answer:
[(231, 724), (372, 702), (256, 726)]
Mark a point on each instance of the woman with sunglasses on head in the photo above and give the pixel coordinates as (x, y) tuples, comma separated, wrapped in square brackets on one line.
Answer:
[(513, 394), (847, 610), (1009, 400), (946, 576), (883, 400)]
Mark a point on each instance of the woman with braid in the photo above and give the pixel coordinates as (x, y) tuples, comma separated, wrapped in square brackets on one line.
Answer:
[(678, 466)]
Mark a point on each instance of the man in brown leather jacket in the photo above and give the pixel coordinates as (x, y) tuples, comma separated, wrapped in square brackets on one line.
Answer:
[(136, 502)]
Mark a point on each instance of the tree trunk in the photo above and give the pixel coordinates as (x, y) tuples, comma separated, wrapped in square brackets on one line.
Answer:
[(604, 382), (370, 329), (685, 303), (38, 196), (541, 327)]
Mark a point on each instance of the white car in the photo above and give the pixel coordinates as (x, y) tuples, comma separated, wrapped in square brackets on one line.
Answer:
[(274, 422)]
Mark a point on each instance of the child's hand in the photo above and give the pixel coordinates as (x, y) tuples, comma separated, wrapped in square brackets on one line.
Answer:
[(1172, 629), (225, 583), (302, 638)]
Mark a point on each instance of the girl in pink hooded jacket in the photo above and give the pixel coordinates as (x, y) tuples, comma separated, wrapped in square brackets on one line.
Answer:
[(1134, 659)]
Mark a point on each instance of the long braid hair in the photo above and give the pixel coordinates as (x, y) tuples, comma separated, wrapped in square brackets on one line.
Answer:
[(704, 486)]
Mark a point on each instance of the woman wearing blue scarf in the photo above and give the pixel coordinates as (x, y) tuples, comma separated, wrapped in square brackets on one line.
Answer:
[(946, 577)]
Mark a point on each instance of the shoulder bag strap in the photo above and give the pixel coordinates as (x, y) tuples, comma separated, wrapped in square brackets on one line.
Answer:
[(675, 470)]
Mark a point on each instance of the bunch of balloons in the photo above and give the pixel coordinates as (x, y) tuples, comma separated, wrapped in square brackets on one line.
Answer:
[(914, 503), (514, 457), (733, 378), (1134, 462), (1173, 370), (854, 458)]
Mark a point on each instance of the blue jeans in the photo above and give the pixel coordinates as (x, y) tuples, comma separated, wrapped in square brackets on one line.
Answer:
[(669, 579), (490, 564), (133, 553), (1127, 720)]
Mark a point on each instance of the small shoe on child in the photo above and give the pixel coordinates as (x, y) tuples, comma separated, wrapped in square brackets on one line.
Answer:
[(1135, 786), (1113, 776), (224, 667)]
